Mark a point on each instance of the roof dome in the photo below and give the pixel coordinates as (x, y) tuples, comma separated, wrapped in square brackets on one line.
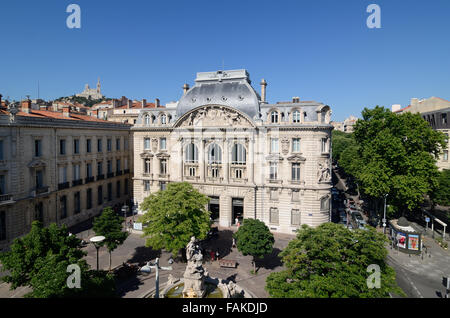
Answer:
[(229, 88)]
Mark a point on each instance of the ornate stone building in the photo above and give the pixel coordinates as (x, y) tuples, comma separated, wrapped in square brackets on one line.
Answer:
[(253, 159), (59, 167)]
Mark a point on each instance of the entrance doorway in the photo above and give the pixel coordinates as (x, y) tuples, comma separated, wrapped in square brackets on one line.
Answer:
[(237, 208), (214, 208)]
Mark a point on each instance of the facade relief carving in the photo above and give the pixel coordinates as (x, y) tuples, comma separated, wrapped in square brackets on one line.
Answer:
[(323, 172), (213, 116)]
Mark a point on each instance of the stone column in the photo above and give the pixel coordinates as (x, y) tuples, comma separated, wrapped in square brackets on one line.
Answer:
[(202, 160), (181, 160), (251, 161), (226, 160)]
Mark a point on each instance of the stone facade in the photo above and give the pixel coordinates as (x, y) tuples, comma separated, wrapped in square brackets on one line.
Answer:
[(49, 165), (93, 93), (253, 159)]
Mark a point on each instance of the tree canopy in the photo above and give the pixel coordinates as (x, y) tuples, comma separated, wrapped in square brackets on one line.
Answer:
[(109, 224), (174, 215), (395, 154), (441, 195), (331, 261), (40, 259), (254, 238)]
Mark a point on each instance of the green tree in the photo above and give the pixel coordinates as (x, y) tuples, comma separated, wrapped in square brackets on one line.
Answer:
[(39, 260), (174, 215), (341, 141), (396, 155), (109, 225), (441, 195), (331, 261), (254, 238)]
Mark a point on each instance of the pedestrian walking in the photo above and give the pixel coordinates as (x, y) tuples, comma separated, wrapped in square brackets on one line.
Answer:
[(217, 255), (211, 255), (234, 242)]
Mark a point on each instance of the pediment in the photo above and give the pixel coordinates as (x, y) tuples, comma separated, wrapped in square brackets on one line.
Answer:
[(146, 155), (162, 155), (214, 116), (36, 163), (296, 158), (274, 157)]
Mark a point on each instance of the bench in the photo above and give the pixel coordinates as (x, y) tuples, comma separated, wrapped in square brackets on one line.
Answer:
[(227, 263)]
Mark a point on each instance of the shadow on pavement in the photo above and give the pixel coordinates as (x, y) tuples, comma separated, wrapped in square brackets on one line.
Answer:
[(144, 254), (270, 261)]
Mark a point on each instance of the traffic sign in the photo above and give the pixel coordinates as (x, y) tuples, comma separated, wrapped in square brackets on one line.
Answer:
[(427, 219), (383, 220)]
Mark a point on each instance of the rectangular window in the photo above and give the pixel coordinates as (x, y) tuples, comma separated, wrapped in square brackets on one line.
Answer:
[(125, 143), (76, 146), (99, 168), (126, 187), (2, 225), (88, 146), (192, 171), (147, 143), (274, 145), (62, 147), (109, 145), (76, 172), (295, 217), (77, 203), (1, 150), (37, 148), (117, 165), (215, 172), (146, 185), (89, 199), (99, 145), (324, 145), (444, 118), (125, 164), (109, 166), (2, 185), (296, 145), (162, 144), (162, 186), (100, 195), (295, 172), (63, 174), (63, 205), (274, 170), (88, 170), (273, 216), (39, 179), (163, 166), (445, 155), (147, 165), (118, 189), (117, 143), (238, 173)]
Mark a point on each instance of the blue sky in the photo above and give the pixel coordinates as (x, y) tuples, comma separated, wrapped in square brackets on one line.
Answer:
[(317, 50)]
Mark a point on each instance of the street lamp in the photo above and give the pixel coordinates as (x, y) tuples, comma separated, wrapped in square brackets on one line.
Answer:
[(384, 218), (96, 240), (148, 268)]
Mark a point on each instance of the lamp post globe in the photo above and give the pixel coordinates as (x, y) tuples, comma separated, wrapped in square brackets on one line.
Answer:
[(96, 240)]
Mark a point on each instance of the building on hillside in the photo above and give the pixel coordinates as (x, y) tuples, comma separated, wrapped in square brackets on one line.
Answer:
[(346, 125), (253, 159), (59, 167), (436, 111), (92, 93)]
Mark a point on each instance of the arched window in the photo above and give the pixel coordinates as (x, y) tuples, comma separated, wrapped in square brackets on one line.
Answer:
[(153, 119), (274, 117), (214, 154), (147, 119), (238, 155), (163, 119), (296, 116), (191, 153)]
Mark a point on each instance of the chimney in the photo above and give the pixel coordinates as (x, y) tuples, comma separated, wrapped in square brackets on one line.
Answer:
[(263, 90), (396, 107), (296, 99), (129, 104), (414, 101), (144, 103), (66, 111), (157, 104), (185, 88), (1, 100), (26, 106)]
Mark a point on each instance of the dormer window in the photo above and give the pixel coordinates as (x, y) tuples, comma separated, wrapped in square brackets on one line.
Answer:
[(147, 119), (296, 116), (274, 117), (163, 119)]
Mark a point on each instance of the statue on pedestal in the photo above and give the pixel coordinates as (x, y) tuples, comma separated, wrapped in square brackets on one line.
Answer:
[(194, 276)]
